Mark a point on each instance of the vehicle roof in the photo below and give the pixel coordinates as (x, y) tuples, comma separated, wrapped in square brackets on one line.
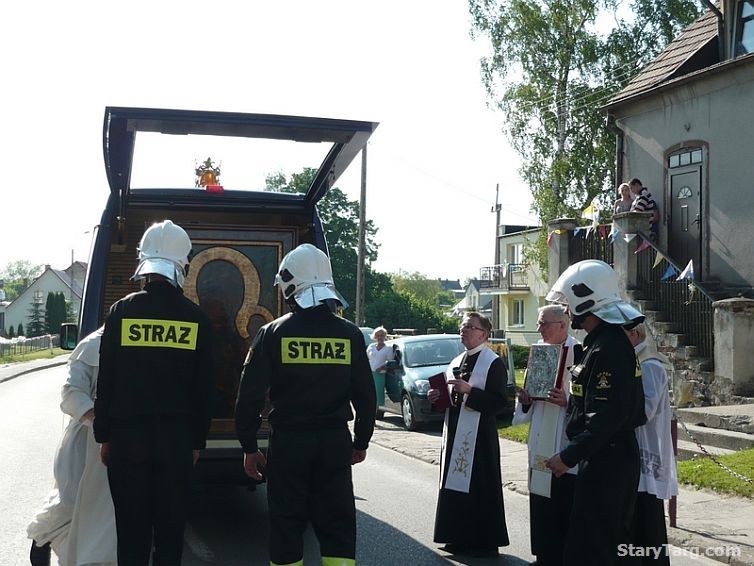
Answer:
[(121, 124), (424, 338)]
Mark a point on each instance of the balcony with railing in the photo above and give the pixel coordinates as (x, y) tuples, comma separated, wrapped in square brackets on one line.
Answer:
[(505, 277)]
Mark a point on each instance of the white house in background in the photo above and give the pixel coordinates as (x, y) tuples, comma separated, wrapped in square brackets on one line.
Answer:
[(517, 289), (474, 299), (70, 282)]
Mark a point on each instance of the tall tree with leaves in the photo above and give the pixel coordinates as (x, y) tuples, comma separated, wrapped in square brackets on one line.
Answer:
[(550, 70), (340, 221), (17, 276), (417, 284)]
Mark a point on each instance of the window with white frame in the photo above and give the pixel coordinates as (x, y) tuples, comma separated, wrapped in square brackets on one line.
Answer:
[(516, 313), (515, 253), (745, 28)]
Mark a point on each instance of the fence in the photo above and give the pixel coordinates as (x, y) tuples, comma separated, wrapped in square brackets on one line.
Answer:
[(686, 304), (22, 345), (592, 244)]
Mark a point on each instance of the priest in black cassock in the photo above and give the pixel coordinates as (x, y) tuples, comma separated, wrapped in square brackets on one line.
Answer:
[(470, 516)]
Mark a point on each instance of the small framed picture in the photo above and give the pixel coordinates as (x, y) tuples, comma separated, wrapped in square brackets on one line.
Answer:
[(542, 369)]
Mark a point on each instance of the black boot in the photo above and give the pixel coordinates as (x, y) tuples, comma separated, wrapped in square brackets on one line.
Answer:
[(39, 555)]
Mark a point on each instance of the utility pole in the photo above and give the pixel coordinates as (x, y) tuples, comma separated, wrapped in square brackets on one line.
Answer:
[(362, 243), (496, 268)]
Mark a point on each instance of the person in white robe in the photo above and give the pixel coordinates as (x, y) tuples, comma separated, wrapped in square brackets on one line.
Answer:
[(77, 520), (659, 475)]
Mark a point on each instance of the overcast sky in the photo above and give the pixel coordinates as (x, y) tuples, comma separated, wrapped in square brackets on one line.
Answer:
[(434, 161)]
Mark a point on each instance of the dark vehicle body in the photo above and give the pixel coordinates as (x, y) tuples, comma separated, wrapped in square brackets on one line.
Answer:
[(417, 358), (239, 238)]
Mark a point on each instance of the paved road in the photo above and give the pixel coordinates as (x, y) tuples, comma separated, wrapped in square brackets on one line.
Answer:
[(395, 495)]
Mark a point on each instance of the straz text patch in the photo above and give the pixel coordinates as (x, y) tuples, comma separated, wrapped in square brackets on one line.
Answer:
[(316, 351), (159, 333)]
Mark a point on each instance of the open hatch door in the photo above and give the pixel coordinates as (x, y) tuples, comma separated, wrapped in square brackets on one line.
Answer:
[(341, 140)]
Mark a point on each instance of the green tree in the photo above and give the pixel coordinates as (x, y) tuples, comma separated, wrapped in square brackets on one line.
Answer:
[(417, 284), (340, 221), (550, 71), (11, 332), (17, 276), (50, 312), (404, 310), (36, 325), (20, 331)]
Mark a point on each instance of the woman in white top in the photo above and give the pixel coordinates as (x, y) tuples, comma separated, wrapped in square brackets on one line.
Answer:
[(379, 355), (77, 520), (659, 475)]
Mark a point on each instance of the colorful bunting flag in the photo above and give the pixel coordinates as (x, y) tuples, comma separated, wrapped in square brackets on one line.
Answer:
[(688, 271), (590, 212), (576, 232), (658, 259), (643, 246), (614, 233), (669, 272), (628, 237)]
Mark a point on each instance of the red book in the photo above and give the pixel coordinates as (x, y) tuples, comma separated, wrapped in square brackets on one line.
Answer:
[(438, 382)]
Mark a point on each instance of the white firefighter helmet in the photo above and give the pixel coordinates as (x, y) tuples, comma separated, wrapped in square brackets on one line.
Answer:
[(164, 249), (305, 276), (591, 286)]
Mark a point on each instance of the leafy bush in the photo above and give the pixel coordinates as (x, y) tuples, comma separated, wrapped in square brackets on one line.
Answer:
[(520, 356)]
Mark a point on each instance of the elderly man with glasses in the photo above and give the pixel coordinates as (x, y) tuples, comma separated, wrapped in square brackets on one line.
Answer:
[(548, 516), (470, 516)]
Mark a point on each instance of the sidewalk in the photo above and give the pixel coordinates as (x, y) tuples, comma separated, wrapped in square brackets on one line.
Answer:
[(716, 526), (9, 371)]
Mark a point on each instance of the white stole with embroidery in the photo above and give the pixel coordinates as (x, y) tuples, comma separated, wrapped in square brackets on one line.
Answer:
[(458, 475)]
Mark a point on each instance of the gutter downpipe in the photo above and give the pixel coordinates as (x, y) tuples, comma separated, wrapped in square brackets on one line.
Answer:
[(720, 29), (612, 125)]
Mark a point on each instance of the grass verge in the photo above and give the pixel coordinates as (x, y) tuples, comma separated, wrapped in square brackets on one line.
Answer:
[(704, 473), (38, 355)]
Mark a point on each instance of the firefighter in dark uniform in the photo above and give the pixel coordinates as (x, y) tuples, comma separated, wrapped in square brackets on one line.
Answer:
[(315, 366), (605, 406), (153, 404)]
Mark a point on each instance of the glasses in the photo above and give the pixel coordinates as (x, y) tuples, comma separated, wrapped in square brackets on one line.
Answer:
[(469, 327)]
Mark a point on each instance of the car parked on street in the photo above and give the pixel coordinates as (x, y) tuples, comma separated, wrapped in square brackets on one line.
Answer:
[(417, 358)]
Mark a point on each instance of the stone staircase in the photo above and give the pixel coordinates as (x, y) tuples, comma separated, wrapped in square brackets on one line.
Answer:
[(692, 377), (721, 430)]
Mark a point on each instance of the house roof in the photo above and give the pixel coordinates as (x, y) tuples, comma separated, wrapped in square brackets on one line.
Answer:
[(69, 282), (450, 284), (672, 61)]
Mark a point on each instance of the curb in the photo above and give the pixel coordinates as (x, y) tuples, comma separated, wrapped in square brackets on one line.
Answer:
[(698, 545), (35, 368)]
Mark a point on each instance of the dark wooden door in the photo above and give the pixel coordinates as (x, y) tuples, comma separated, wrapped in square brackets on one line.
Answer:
[(685, 234)]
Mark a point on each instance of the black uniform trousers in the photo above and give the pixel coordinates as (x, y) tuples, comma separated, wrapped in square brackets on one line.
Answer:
[(309, 480), (604, 503), (149, 471), (549, 518), (650, 529)]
